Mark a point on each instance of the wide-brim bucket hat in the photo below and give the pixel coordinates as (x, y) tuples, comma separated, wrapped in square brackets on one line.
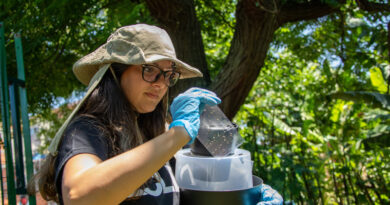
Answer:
[(132, 45)]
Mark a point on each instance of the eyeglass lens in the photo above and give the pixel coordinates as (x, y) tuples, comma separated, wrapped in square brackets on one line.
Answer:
[(151, 74)]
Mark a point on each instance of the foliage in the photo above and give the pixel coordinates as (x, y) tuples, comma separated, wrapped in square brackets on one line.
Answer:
[(46, 122), (57, 33), (217, 30), (317, 119)]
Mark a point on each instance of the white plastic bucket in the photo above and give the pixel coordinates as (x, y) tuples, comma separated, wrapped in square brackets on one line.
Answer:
[(233, 172)]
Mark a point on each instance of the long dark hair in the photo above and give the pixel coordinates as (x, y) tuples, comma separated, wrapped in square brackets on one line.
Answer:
[(111, 112)]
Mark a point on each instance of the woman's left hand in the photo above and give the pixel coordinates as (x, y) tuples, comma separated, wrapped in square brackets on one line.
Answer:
[(187, 107), (269, 196)]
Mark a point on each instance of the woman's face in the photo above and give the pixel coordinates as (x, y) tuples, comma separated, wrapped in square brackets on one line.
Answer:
[(144, 96)]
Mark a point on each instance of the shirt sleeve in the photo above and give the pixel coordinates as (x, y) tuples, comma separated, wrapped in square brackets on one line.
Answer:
[(81, 136)]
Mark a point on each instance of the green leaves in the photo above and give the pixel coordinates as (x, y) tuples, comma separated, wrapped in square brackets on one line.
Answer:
[(375, 100), (218, 20), (319, 110), (280, 126), (377, 80)]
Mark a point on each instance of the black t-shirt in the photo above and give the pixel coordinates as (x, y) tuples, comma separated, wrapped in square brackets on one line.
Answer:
[(82, 136)]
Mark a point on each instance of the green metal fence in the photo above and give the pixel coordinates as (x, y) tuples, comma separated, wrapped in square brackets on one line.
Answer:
[(13, 94)]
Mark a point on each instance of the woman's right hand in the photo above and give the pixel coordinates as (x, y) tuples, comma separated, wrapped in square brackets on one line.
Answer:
[(187, 107)]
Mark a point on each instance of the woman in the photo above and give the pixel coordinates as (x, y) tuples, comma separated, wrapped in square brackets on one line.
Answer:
[(114, 147)]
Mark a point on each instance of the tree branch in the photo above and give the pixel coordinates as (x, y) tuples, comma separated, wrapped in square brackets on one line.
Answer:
[(178, 18), (373, 7), (253, 34), (292, 12), (263, 7)]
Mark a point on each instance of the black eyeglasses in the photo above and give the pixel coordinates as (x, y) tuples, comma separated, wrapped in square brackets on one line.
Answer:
[(151, 74)]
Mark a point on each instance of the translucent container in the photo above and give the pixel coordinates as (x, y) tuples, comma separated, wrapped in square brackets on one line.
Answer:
[(233, 172)]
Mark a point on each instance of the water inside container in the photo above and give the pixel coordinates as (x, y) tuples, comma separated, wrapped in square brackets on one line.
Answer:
[(217, 135)]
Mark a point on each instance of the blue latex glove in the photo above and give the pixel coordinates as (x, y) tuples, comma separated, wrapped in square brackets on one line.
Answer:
[(269, 196), (187, 107)]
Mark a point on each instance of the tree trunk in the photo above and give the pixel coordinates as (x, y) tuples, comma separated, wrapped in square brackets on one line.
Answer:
[(179, 19), (253, 33), (254, 30), (256, 23)]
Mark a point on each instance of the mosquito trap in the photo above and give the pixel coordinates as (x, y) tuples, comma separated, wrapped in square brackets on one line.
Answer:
[(213, 170)]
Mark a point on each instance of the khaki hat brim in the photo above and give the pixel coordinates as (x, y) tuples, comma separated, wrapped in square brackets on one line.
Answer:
[(186, 70), (87, 66)]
